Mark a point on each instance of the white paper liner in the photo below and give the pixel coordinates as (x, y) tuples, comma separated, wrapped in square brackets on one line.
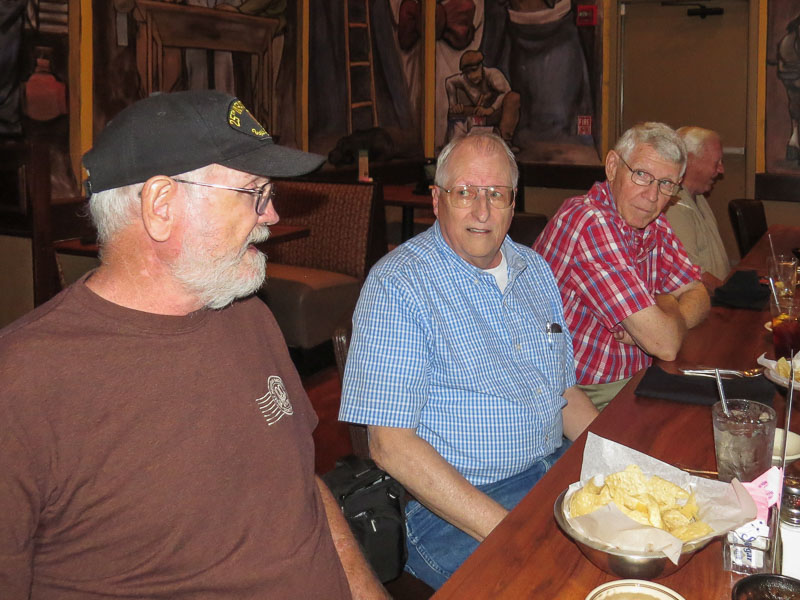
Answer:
[(724, 506), (773, 375)]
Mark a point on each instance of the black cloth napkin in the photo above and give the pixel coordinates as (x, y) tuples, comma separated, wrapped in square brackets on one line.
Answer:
[(694, 389), (742, 290)]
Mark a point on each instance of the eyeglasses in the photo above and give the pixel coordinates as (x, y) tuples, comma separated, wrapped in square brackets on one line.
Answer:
[(462, 196), (263, 194), (639, 177)]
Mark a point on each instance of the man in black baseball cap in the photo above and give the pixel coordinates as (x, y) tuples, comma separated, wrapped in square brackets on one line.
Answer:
[(157, 439)]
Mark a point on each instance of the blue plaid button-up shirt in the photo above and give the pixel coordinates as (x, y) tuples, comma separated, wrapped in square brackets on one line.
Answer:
[(478, 373)]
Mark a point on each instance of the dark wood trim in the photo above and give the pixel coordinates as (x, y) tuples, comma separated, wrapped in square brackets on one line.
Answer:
[(783, 188), (571, 177)]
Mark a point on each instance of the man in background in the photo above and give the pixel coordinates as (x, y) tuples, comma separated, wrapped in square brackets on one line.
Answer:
[(689, 214), (630, 291)]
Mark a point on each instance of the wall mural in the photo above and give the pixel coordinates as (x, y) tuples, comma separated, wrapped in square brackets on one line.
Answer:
[(524, 69), (782, 137)]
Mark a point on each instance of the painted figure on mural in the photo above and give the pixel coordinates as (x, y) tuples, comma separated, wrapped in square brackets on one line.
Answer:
[(480, 96), (537, 43), (789, 74)]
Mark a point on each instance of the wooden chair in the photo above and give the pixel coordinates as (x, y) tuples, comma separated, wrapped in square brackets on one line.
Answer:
[(526, 227), (313, 283), (405, 587), (45, 221), (749, 222)]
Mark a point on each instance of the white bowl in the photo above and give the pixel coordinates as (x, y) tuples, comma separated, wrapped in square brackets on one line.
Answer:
[(641, 588), (792, 447)]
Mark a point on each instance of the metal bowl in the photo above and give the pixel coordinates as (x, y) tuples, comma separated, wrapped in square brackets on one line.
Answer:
[(624, 563), (766, 587)]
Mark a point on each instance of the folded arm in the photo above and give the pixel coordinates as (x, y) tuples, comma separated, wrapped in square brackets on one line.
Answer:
[(433, 481), (660, 329), (360, 577)]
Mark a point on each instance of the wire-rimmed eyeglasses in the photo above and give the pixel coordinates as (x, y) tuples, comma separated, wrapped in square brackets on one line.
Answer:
[(263, 194), (462, 196), (640, 177)]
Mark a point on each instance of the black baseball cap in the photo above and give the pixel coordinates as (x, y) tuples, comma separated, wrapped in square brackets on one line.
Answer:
[(168, 134)]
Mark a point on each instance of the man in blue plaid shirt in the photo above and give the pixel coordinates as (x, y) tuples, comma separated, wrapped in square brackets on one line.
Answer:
[(460, 363)]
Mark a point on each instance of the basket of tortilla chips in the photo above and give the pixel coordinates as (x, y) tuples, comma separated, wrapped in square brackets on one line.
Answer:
[(638, 517)]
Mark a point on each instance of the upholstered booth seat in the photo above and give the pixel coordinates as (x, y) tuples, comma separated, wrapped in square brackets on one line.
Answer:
[(313, 282), (307, 302)]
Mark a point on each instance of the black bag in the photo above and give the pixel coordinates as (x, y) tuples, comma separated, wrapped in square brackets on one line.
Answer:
[(374, 505)]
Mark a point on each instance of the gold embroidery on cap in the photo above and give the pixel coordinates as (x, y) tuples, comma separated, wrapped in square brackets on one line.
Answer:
[(236, 109)]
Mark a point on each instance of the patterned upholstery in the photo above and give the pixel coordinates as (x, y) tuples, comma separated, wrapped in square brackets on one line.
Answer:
[(313, 283), (344, 226)]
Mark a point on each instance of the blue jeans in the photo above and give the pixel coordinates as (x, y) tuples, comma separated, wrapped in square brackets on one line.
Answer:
[(436, 548)]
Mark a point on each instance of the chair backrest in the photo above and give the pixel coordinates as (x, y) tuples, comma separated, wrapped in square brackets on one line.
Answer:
[(347, 222), (45, 221), (526, 227), (358, 433), (749, 222)]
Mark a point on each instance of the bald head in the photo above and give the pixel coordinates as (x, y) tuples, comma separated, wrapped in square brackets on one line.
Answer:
[(704, 164)]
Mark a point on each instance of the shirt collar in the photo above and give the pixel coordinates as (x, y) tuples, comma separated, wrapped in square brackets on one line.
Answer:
[(515, 262)]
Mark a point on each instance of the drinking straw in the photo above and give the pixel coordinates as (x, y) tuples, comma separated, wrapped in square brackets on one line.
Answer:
[(776, 510), (772, 247), (774, 291), (722, 394)]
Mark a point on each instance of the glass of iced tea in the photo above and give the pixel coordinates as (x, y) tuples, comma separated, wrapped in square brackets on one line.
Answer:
[(785, 326)]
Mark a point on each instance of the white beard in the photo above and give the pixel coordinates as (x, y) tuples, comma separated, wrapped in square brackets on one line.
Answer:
[(218, 281)]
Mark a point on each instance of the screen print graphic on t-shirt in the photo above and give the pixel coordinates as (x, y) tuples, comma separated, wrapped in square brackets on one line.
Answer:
[(275, 403)]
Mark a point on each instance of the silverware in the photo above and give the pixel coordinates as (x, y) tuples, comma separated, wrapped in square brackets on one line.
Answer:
[(755, 372)]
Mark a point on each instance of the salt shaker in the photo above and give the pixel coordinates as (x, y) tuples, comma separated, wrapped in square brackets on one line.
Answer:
[(790, 528)]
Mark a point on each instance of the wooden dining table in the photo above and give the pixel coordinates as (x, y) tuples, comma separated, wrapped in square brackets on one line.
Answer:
[(528, 556)]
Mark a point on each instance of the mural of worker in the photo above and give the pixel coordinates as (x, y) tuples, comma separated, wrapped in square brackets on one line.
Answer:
[(480, 96), (789, 74), (537, 43)]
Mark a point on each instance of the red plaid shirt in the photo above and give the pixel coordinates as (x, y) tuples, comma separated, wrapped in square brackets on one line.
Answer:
[(606, 271)]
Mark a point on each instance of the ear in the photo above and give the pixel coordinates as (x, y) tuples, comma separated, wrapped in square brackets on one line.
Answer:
[(612, 162), (436, 195), (158, 211)]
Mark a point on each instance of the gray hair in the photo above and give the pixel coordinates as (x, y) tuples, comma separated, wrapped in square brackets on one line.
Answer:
[(662, 138), (696, 139), (486, 143), (114, 210)]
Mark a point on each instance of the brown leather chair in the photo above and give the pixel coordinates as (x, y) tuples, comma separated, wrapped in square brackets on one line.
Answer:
[(313, 283), (749, 222)]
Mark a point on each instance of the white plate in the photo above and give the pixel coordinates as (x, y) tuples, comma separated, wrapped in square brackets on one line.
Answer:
[(633, 588), (792, 447), (775, 377)]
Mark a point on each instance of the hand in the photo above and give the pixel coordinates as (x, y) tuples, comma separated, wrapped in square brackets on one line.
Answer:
[(623, 337), (457, 108), (483, 111)]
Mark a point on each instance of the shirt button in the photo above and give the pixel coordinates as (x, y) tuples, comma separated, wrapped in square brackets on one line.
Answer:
[(517, 347), (539, 391)]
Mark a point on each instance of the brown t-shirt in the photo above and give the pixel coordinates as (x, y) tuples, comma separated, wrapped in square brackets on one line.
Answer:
[(150, 456)]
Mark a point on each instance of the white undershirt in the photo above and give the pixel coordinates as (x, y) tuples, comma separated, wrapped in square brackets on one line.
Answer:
[(500, 273)]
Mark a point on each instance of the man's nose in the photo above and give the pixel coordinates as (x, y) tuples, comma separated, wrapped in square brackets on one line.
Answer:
[(481, 206), (270, 216), (720, 168), (651, 191)]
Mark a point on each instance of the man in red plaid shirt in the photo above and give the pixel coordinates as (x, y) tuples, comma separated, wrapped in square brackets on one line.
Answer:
[(630, 291)]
